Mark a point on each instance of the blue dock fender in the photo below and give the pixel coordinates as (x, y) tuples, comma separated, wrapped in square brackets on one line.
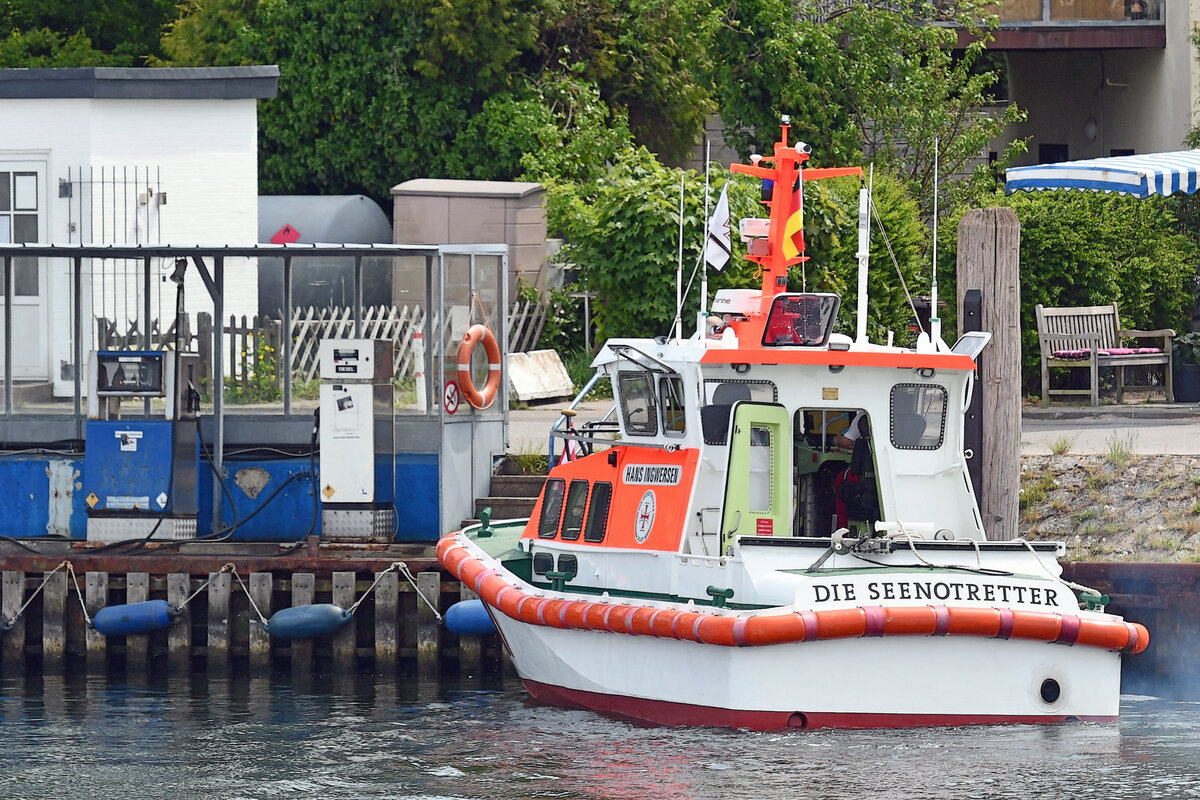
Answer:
[(304, 622), (134, 618), (469, 618)]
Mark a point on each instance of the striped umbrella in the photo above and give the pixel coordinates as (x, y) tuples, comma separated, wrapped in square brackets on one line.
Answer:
[(1138, 175)]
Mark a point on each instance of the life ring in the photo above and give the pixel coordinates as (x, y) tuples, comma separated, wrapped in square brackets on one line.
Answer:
[(479, 399)]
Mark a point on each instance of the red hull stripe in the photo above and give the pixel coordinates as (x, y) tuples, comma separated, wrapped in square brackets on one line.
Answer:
[(662, 712), (801, 626)]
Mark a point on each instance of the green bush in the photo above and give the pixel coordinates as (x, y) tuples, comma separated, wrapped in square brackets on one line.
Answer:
[(622, 234), (1083, 249)]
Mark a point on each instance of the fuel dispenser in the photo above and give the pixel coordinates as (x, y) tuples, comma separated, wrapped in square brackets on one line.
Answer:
[(140, 473), (357, 470)]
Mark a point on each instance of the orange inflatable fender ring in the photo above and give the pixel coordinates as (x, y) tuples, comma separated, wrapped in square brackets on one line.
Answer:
[(480, 399), (802, 626)]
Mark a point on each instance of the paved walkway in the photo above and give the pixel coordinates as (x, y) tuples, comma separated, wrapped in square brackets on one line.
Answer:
[(1149, 428)]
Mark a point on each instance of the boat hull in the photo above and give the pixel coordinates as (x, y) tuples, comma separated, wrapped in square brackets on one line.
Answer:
[(850, 683)]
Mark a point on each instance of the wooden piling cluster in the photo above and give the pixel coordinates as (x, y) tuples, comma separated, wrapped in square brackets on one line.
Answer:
[(219, 629)]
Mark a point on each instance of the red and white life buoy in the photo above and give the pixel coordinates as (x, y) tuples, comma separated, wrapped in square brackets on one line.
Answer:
[(479, 399)]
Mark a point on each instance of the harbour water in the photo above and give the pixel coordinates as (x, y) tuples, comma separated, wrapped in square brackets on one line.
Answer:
[(357, 737)]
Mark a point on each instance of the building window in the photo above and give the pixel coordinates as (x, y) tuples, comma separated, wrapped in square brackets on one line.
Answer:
[(1052, 153), (19, 208)]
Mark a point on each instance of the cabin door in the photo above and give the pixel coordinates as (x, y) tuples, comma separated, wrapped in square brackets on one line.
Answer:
[(758, 484)]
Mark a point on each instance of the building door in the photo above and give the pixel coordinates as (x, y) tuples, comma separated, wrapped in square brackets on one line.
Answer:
[(23, 220), (758, 488)]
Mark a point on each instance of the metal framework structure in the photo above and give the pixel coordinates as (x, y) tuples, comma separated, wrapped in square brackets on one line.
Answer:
[(37, 428)]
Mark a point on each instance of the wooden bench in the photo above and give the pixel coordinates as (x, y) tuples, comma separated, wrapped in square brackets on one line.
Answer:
[(1091, 338)]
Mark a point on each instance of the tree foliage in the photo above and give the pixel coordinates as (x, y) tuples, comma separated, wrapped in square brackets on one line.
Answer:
[(42, 47), (1085, 248), (623, 233), (869, 82), (123, 32), (374, 92)]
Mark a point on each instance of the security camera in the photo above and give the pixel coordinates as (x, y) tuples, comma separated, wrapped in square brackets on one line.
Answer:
[(804, 148)]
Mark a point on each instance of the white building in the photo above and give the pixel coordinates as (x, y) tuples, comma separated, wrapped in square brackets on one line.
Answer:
[(123, 156)]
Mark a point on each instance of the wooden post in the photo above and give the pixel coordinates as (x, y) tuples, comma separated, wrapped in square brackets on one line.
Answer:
[(12, 645), (345, 639), (96, 591), (260, 640), (137, 646), (989, 245), (469, 647), (304, 588), (429, 585), (386, 622), (54, 634), (179, 635), (219, 587)]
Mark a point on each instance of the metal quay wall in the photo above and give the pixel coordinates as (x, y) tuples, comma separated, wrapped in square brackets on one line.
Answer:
[(42, 448), (218, 631)]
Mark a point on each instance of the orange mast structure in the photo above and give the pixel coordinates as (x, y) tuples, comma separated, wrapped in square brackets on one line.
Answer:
[(786, 238)]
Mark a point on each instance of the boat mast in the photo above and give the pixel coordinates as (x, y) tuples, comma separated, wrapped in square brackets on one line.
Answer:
[(787, 178), (864, 254)]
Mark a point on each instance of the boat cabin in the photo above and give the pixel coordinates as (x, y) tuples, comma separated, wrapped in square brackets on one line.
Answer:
[(781, 429)]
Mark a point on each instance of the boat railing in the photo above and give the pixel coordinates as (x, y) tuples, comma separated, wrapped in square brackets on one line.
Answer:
[(606, 425)]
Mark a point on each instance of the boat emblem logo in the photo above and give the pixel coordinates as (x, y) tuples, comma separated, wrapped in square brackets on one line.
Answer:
[(645, 517)]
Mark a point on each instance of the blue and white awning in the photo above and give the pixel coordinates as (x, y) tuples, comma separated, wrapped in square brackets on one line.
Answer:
[(1140, 175)]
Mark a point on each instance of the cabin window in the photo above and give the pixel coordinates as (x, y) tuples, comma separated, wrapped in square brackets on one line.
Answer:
[(573, 515), (671, 391), (800, 319), (637, 403), (597, 518), (552, 503), (719, 397), (918, 416), (760, 468)]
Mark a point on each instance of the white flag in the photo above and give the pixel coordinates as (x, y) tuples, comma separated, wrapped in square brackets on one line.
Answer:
[(718, 246)]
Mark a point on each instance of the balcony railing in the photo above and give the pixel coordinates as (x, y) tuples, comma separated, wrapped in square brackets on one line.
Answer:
[(1079, 12)]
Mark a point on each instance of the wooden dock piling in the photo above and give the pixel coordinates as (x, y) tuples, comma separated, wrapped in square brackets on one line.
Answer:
[(137, 646), (387, 607), (260, 639), (54, 631), (179, 635), (219, 586), (97, 643), (303, 594), (344, 592), (12, 597), (218, 629)]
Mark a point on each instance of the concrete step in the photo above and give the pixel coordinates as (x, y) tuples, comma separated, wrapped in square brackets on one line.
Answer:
[(517, 485), (506, 507)]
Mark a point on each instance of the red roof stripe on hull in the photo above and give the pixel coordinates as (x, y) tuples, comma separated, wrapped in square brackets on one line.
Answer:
[(662, 712)]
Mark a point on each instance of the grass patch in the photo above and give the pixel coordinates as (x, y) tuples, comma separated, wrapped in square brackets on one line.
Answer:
[(1063, 444), (1120, 449), (1033, 493), (529, 461)]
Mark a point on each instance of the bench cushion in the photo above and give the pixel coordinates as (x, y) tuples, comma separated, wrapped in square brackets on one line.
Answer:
[(1108, 351)]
